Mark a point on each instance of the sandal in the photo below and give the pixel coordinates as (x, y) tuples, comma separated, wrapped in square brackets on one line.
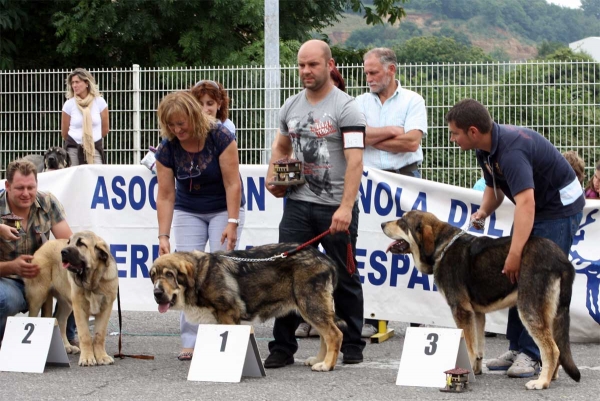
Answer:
[(185, 356)]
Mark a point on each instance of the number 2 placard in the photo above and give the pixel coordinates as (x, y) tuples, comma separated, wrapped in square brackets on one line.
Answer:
[(428, 352), (29, 343), (224, 353)]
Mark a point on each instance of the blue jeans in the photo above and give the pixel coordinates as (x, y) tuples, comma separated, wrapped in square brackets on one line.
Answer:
[(301, 222), (12, 300), (192, 232), (415, 173), (71, 326), (561, 231)]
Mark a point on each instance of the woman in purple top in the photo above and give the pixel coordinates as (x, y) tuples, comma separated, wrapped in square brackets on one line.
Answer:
[(199, 185)]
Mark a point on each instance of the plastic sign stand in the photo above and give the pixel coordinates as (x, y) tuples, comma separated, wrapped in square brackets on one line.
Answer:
[(30, 343), (225, 353), (428, 353)]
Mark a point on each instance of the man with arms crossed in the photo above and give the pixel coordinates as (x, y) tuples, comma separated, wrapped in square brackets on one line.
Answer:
[(324, 128), (396, 123), (523, 165), (396, 117)]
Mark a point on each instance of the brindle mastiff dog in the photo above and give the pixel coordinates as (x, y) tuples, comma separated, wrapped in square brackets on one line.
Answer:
[(212, 288)]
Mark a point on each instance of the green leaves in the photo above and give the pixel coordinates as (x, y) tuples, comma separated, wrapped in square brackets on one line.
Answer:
[(114, 33), (374, 13)]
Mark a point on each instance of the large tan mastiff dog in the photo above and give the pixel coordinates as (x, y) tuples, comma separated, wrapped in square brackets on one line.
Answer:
[(82, 274)]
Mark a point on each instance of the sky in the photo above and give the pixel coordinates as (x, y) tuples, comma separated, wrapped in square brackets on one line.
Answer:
[(566, 3)]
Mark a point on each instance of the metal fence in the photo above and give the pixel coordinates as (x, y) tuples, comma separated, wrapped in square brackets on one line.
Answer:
[(559, 99)]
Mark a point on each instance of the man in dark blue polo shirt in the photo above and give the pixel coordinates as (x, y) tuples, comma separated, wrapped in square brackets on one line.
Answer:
[(521, 164)]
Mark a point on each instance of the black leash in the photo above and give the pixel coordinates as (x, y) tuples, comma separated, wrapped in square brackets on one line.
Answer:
[(120, 354), (349, 256)]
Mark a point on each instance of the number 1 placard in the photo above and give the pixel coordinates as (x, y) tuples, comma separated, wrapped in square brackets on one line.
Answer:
[(31, 342), (224, 353), (429, 352)]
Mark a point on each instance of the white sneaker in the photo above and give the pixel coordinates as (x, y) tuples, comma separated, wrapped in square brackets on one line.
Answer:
[(303, 330), (368, 330), (523, 366), (503, 362)]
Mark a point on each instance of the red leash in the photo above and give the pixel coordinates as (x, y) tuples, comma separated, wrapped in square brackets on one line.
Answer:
[(349, 257)]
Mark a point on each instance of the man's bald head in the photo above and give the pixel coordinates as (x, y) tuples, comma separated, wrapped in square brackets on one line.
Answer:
[(316, 45)]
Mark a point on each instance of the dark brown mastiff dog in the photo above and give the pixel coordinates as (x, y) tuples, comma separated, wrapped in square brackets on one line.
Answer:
[(468, 273)]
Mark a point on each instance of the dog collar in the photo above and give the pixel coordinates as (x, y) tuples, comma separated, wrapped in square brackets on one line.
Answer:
[(478, 222), (451, 242)]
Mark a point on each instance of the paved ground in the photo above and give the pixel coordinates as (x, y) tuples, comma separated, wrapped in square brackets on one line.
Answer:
[(165, 377)]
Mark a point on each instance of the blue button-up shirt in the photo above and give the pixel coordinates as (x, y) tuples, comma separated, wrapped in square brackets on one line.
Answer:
[(404, 108)]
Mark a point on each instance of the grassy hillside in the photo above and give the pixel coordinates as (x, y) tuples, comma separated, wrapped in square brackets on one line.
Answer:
[(494, 41)]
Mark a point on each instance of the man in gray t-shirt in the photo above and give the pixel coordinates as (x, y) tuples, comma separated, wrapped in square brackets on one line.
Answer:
[(322, 127), (315, 133)]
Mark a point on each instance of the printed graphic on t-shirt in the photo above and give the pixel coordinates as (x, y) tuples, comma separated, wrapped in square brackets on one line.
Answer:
[(309, 142)]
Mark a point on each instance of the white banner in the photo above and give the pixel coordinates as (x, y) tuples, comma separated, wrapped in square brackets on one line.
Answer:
[(118, 203)]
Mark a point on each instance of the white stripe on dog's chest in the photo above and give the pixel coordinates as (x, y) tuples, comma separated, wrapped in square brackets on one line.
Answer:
[(95, 301)]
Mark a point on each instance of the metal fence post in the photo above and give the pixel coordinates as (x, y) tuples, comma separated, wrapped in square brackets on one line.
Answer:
[(137, 133), (272, 76)]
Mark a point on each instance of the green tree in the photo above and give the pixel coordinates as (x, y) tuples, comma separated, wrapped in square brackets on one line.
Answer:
[(546, 48), (591, 7), (432, 49), (382, 36), (11, 19), (27, 39), (568, 83), (448, 32), (111, 33)]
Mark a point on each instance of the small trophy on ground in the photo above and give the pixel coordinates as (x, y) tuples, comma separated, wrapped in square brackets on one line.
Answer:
[(457, 381), (288, 172)]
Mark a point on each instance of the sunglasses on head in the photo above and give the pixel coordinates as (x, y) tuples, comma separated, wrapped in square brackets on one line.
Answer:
[(208, 82)]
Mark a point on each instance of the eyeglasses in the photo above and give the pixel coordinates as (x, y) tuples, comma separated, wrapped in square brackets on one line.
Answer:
[(185, 174), (209, 82)]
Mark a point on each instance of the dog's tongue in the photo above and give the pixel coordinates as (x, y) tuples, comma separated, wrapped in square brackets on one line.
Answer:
[(66, 265), (162, 308), (390, 246)]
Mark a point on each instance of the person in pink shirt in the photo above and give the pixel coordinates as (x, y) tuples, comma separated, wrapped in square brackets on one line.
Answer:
[(592, 189)]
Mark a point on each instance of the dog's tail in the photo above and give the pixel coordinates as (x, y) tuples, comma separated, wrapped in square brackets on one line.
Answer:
[(562, 323)]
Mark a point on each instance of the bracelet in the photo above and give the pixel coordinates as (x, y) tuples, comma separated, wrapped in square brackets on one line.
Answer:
[(164, 235)]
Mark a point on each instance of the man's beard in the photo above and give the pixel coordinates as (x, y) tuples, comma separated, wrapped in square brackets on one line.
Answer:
[(382, 86)]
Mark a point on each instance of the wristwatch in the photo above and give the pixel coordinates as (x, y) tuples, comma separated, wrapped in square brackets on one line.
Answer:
[(236, 221)]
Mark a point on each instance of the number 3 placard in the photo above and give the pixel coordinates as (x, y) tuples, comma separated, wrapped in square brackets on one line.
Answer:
[(29, 343), (428, 353), (225, 353)]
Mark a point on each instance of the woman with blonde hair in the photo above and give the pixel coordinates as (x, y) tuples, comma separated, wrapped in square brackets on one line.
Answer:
[(84, 119), (200, 192)]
